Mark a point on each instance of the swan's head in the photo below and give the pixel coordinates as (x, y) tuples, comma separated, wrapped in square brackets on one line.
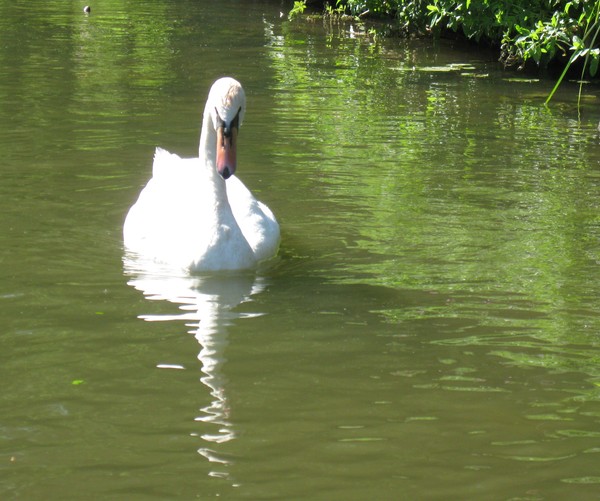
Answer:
[(226, 105)]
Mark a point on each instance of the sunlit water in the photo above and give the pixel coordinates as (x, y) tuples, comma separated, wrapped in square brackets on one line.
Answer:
[(430, 330)]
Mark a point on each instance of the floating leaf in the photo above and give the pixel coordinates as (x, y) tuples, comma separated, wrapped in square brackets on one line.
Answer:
[(521, 80)]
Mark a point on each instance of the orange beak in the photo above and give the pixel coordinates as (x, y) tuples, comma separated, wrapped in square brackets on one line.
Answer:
[(226, 151)]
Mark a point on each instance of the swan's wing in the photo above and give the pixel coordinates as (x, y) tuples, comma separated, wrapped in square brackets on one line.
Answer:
[(165, 205), (171, 167), (256, 220), (164, 162)]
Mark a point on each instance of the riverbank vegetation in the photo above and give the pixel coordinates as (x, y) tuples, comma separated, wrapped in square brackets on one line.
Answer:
[(546, 33)]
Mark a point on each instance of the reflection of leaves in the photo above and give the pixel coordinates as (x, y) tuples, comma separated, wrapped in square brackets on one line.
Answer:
[(118, 61), (578, 433), (408, 373), (581, 480), (423, 162)]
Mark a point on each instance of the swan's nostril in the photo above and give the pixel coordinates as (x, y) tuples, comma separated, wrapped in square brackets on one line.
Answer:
[(226, 173)]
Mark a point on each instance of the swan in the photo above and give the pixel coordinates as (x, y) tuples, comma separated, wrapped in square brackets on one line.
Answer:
[(194, 213)]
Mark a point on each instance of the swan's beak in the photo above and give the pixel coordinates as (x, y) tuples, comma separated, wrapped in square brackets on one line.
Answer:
[(226, 151)]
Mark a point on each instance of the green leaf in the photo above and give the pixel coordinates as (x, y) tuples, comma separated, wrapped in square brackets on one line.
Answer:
[(567, 7)]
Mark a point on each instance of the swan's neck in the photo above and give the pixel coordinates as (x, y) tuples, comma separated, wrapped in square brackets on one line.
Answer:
[(208, 159)]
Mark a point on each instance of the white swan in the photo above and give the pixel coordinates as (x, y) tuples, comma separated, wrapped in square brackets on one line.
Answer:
[(194, 214)]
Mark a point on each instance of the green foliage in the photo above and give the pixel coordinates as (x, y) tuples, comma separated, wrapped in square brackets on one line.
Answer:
[(373, 7), (585, 47), (297, 10), (555, 34), (334, 12), (526, 30)]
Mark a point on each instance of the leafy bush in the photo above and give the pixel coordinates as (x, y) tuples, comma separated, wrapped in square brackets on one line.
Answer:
[(373, 7), (297, 10), (525, 30)]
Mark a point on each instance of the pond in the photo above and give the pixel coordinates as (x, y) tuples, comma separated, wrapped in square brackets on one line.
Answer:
[(430, 329)]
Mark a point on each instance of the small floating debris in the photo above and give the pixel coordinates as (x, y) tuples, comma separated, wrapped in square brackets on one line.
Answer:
[(87, 9)]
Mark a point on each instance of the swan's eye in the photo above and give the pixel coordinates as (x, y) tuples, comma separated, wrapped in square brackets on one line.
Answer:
[(227, 129), (219, 122), (235, 122)]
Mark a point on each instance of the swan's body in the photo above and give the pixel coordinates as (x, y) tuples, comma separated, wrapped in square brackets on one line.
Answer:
[(194, 214)]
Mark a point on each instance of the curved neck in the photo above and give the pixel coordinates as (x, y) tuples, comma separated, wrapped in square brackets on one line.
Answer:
[(208, 157)]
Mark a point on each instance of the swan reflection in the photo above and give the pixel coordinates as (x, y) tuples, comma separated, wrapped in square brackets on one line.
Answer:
[(206, 304)]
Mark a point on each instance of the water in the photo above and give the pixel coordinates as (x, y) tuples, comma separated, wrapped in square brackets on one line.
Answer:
[(430, 330)]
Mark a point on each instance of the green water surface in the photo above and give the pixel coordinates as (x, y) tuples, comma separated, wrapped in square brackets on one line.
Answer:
[(430, 330)]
